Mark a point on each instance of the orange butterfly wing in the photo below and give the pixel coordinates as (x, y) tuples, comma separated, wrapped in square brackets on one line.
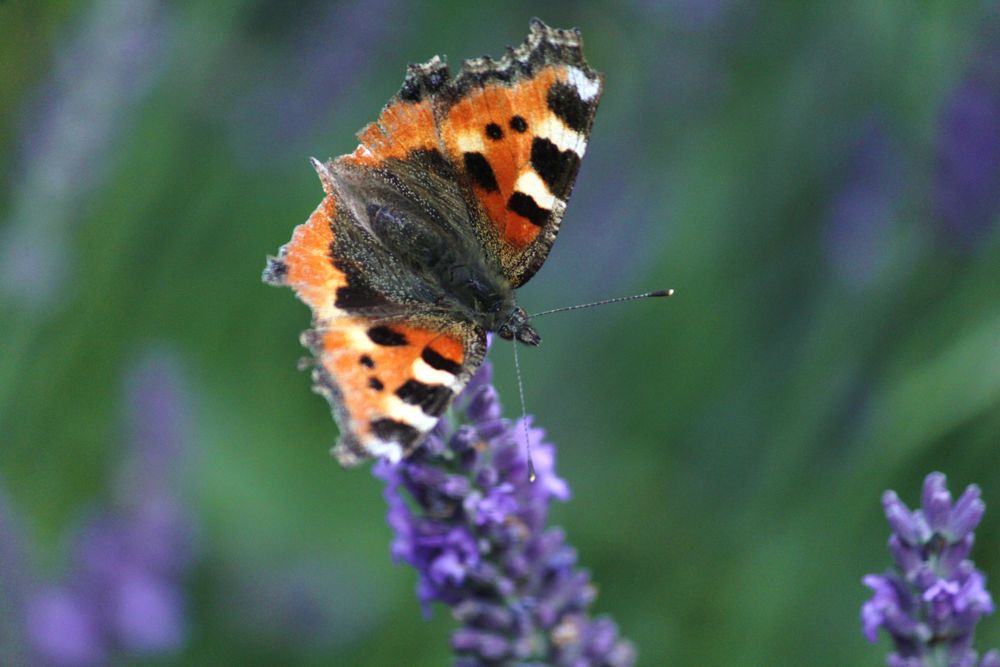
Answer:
[(519, 128), (387, 382), (496, 149)]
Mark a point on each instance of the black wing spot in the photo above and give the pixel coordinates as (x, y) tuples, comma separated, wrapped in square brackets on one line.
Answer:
[(481, 172), (354, 297), (494, 132), (391, 430), (524, 205), (518, 124), (375, 384), (410, 92), (357, 293), (432, 398), (439, 362), (383, 335), (557, 168), (275, 272), (565, 102), (367, 361)]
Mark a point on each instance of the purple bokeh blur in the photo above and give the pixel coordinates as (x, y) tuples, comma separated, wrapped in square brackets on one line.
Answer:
[(967, 176), (121, 589), (78, 116), (286, 102), (858, 240)]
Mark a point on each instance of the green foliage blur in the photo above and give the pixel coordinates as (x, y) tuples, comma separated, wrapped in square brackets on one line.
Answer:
[(835, 332)]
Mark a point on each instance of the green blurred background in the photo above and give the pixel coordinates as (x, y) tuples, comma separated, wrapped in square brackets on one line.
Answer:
[(820, 182)]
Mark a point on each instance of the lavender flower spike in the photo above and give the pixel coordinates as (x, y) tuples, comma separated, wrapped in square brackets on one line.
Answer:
[(931, 601), (467, 518), (121, 595)]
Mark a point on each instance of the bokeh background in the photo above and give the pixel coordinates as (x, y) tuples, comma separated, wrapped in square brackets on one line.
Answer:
[(820, 182)]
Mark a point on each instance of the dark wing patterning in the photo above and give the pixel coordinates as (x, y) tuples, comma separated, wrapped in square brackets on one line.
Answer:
[(513, 129), (387, 379), (496, 148)]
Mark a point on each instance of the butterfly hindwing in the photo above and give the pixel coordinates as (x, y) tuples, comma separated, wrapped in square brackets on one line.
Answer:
[(389, 383), (388, 377)]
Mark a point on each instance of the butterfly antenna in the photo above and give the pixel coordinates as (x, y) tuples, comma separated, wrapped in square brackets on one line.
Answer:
[(634, 297), (524, 415)]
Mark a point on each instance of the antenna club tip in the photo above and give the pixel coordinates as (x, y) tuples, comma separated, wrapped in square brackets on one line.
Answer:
[(663, 292)]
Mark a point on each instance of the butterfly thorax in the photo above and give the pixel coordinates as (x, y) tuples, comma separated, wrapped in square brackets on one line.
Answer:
[(453, 269)]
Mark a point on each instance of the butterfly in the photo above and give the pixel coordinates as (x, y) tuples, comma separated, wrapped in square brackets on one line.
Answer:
[(451, 201)]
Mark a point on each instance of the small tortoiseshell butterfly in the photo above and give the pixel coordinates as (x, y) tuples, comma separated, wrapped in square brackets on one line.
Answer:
[(451, 202)]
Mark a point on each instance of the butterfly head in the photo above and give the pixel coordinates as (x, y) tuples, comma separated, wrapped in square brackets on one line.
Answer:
[(516, 326)]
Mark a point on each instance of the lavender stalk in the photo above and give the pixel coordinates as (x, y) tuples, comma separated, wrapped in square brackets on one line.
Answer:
[(468, 520), (932, 599)]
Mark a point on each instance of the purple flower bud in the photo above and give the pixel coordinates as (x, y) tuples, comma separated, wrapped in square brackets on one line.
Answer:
[(890, 607), (447, 569), (966, 514), (954, 554), (935, 598), (622, 655), (489, 615), (484, 405), (462, 440), (604, 634), (910, 526), (936, 502), (908, 558), (973, 595), (940, 601), (488, 645)]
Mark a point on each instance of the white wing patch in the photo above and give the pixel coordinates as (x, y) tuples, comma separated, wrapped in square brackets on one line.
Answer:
[(587, 88)]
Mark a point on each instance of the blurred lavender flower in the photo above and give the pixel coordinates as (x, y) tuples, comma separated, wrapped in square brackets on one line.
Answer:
[(121, 593), (967, 180), (327, 52), (932, 600), (858, 242), (105, 66), (467, 518), (301, 608)]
